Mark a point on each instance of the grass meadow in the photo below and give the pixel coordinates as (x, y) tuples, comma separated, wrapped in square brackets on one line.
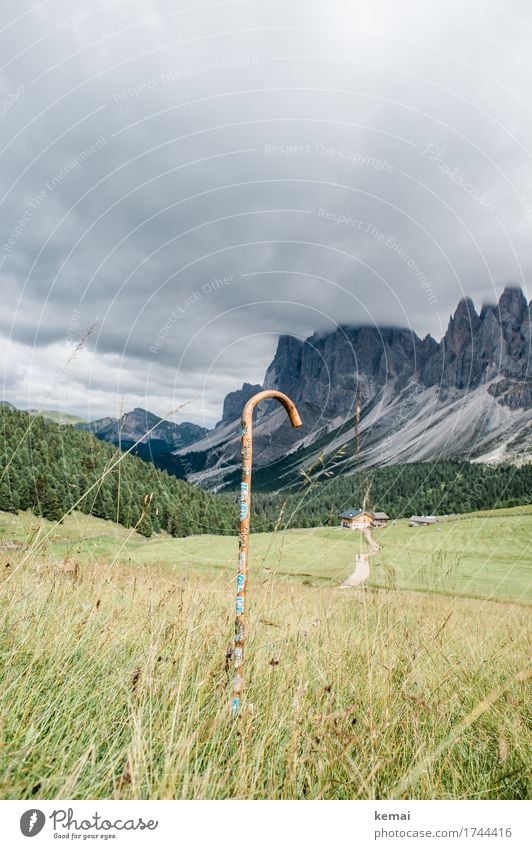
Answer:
[(116, 683)]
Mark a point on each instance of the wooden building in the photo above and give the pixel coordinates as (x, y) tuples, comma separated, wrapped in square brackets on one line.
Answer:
[(380, 520), (358, 520), (420, 521)]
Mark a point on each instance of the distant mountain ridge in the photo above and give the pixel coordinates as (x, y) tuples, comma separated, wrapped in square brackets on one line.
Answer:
[(141, 425), (157, 438), (469, 395)]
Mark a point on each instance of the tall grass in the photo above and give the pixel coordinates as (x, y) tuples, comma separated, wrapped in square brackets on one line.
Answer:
[(115, 684)]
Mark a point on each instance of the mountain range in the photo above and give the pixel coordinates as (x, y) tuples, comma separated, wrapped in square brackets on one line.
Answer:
[(368, 396), (468, 396)]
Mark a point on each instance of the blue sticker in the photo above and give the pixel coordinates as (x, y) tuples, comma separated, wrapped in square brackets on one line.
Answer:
[(235, 706), (240, 582), (243, 510), (239, 606), (244, 488)]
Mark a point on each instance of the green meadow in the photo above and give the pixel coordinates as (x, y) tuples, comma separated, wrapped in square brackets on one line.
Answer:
[(116, 679), (485, 555)]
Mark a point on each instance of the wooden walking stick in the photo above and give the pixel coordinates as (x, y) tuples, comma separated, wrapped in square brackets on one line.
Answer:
[(245, 507)]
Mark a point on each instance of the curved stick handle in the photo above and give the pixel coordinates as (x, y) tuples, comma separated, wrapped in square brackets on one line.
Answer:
[(283, 399), (243, 539)]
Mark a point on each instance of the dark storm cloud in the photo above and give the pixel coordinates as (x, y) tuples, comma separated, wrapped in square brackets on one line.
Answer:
[(193, 181)]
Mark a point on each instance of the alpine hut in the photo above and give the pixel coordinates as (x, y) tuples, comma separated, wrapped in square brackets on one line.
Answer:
[(358, 520)]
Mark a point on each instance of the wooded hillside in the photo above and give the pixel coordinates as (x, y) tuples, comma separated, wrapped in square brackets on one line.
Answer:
[(49, 468)]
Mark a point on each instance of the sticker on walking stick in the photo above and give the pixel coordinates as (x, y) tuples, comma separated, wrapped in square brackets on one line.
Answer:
[(243, 491), (242, 559), (235, 706), (240, 579), (243, 510), (239, 634), (238, 658), (239, 606)]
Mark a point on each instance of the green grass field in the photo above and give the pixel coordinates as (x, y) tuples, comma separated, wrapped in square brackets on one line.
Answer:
[(115, 682), (479, 555)]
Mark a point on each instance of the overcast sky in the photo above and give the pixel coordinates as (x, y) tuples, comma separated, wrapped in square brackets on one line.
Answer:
[(189, 179)]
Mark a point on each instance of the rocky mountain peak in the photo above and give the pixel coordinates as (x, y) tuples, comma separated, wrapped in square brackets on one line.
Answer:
[(234, 402), (465, 309), (139, 411), (285, 364), (140, 416), (462, 326), (512, 306)]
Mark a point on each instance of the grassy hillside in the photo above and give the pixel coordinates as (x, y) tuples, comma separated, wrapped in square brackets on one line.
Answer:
[(486, 555)]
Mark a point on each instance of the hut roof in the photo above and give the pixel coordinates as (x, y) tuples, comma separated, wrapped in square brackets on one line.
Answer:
[(351, 514), (354, 512)]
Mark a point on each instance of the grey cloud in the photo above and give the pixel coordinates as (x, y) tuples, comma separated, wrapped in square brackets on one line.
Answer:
[(363, 162)]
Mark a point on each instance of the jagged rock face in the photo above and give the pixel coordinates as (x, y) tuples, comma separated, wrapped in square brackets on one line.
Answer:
[(512, 311), (328, 371), (462, 327), (479, 348), (234, 402), (514, 316), (515, 394)]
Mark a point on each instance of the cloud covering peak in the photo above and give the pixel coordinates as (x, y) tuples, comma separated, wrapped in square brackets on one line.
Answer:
[(193, 179)]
